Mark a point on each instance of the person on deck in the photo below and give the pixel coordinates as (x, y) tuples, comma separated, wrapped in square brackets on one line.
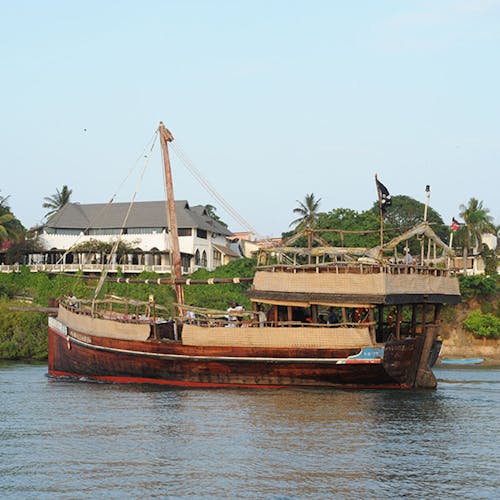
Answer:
[(407, 258), (332, 317), (235, 308), (261, 316)]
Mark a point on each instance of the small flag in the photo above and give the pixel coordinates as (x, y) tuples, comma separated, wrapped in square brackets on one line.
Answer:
[(385, 196), (454, 224)]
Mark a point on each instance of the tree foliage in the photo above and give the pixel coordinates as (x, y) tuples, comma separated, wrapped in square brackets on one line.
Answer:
[(55, 202), (406, 212), (18, 250), (483, 325), (11, 229), (346, 219), (490, 259), (211, 211), (307, 212), (478, 286), (477, 221), (104, 248), (22, 335), (221, 296)]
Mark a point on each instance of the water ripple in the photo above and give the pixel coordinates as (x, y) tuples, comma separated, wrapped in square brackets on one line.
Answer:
[(84, 440)]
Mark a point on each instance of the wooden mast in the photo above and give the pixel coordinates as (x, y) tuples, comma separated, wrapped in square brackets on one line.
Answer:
[(165, 138)]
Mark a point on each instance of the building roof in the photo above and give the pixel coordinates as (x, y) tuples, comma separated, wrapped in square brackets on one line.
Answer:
[(148, 214), (229, 251)]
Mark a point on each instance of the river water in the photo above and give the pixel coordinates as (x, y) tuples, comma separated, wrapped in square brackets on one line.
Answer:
[(71, 440)]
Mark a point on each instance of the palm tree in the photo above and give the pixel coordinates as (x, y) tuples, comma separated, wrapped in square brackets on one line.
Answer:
[(308, 212), (11, 228), (477, 221), (4, 227), (57, 201)]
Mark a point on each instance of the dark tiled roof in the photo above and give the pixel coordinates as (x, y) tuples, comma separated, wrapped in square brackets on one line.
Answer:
[(230, 252), (150, 214)]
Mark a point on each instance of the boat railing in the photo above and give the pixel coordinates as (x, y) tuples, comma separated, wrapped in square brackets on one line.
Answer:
[(208, 321), (116, 309), (357, 268)]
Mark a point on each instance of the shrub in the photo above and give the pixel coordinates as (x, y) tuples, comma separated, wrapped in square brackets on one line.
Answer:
[(478, 286), (483, 325), (22, 335)]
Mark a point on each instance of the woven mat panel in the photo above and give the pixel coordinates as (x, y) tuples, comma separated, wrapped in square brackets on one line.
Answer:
[(299, 337), (424, 284), (103, 328), (320, 283)]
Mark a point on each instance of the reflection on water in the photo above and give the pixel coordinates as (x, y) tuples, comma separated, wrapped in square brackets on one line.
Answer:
[(86, 440)]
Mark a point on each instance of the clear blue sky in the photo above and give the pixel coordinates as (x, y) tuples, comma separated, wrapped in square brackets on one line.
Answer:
[(271, 100)]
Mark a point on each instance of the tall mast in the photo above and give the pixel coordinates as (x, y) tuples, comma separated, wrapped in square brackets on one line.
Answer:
[(165, 138)]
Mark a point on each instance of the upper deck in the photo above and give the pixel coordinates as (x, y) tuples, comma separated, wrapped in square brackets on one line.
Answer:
[(387, 274), (354, 283)]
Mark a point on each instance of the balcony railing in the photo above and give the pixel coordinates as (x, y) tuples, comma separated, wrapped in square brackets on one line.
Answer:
[(87, 268)]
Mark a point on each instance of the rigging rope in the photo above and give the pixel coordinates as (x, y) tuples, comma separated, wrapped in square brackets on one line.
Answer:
[(92, 223), (124, 223), (211, 190)]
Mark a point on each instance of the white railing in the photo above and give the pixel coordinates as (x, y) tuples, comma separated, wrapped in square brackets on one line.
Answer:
[(86, 268)]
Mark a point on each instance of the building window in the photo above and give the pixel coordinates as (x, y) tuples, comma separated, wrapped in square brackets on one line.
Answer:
[(186, 262), (66, 232), (204, 259), (184, 231), (217, 258), (105, 231), (144, 230), (201, 233), (197, 258)]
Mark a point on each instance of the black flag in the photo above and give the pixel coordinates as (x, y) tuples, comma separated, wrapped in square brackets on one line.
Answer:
[(384, 196)]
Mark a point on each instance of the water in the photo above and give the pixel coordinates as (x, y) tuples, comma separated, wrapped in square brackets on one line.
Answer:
[(75, 440)]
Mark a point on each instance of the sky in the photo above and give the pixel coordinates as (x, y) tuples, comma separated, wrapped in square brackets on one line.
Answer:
[(269, 99)]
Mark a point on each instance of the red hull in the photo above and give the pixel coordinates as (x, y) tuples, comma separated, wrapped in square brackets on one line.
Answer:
[(171, 363)]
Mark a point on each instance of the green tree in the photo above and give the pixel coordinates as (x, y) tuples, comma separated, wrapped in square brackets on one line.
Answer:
[(307, 211), (11, 228), (477, 221), (406, 212), (18, 251), (346, 219), (55, 202), (211, 211)]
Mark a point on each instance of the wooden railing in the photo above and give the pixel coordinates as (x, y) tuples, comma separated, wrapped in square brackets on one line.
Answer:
[(358, 268)]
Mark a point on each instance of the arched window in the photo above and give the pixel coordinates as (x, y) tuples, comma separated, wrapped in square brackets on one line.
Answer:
[(217, 258), (197, 258), (204, 259)]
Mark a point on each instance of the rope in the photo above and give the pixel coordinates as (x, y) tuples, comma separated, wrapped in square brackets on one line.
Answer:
[(204, 183), (124, 223), (145, 154)]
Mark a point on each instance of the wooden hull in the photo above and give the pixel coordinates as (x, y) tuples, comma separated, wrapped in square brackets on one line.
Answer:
[(72, 354)]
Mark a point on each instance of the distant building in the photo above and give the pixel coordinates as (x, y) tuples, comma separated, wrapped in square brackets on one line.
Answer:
[(202, 240), (475, 263)]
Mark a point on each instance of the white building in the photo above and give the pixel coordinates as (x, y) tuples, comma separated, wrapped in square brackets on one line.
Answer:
[(202, 240)]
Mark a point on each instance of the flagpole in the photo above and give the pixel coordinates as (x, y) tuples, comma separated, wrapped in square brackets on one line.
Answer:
[(427, 196), (381, 215), (451, 243)]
